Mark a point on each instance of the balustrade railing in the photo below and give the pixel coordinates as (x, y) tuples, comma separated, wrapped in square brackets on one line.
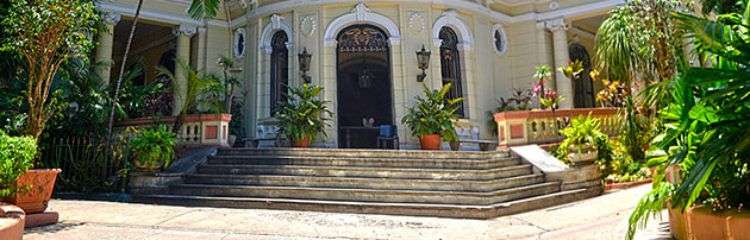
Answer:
[(195, 129), (543, 126)]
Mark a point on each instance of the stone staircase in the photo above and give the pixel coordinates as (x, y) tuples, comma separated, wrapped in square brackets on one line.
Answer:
[(423, 183)]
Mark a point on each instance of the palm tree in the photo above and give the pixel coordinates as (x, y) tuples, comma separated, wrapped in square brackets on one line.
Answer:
[(639, 44), (115, 96)]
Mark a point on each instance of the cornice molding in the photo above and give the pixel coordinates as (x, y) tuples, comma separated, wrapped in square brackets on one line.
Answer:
[(586, 9)]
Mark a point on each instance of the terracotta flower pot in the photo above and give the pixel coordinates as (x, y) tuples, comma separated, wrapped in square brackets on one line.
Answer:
[(702, 223), (39, 184), (430, 142), (302, 143)]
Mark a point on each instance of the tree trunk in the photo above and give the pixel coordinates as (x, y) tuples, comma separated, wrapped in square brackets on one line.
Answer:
[(115, 97)]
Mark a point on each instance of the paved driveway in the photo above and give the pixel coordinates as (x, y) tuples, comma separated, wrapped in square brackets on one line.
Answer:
[(604, 217)]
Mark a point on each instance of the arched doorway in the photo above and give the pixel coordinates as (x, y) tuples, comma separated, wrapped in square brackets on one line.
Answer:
[(363, 85), (583, 85)]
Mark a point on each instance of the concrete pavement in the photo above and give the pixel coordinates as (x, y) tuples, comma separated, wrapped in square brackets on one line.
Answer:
[(604, 217)]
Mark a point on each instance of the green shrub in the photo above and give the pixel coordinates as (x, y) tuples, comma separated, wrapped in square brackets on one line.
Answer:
[(154, 146), (16, 156)]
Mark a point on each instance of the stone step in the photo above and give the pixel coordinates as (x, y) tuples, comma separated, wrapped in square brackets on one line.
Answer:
[(360, 153), (366, 195), (411, 209), (372, 172), (365, 183), (475, 164)]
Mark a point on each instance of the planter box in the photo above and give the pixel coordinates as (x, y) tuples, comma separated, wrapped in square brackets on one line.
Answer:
[(701, 223), (195, 130)]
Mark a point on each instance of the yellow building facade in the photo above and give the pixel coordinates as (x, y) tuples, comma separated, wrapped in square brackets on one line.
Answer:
[(364, 53)]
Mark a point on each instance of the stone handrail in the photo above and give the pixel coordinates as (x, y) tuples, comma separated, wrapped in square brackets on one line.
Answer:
[(543, 126), (195, 129)]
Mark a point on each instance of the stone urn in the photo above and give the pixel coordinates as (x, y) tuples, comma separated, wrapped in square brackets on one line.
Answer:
[(582, 154)]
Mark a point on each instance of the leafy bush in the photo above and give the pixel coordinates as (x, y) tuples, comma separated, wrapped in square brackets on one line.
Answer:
[(303, 115), (622, 167), (433, 113), (16, 156), (153, 147)]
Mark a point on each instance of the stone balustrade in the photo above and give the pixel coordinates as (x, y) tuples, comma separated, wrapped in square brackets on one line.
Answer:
[(543, 126), (195, 129)]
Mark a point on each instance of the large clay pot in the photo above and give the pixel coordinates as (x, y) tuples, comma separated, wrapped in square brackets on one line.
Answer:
[(430, 142), (36, 190), (302, 143), (702, 223)]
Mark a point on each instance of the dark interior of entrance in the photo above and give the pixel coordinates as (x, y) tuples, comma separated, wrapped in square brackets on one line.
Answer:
[(364, 86)]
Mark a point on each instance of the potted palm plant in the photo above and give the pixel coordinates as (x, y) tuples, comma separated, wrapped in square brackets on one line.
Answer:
[(303, 116), (152, 149), (431, 118)]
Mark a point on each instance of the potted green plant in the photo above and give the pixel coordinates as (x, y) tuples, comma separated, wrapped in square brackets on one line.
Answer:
[(581, 141), (152, 149), (303, 116), (431, 118), (16, 158)]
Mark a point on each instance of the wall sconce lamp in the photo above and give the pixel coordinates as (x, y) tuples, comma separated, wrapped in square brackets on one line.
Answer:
[(304, 65), (423, 59)]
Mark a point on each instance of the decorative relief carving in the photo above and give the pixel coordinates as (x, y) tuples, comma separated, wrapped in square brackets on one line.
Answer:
[(417, 22), (308, 25)]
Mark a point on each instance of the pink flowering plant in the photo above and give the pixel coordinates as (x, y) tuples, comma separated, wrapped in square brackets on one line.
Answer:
[(548, 98)]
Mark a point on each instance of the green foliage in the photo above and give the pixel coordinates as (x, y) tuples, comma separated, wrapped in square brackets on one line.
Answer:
[(433, 113), (303, 115), (639, 44), (154, 146), (706, 129), (16, 156), (584, 133), (203, 92), (46, 33), (204, 9), (622, 167)]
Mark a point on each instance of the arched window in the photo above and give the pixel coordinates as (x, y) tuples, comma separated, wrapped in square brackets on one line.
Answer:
[(450, 64), (279, 70), (583, 85)]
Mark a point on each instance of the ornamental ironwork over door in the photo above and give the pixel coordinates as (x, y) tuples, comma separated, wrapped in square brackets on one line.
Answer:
[(363, 85)]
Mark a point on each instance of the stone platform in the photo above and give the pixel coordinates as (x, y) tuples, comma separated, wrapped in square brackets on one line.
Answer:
[(422, 183)]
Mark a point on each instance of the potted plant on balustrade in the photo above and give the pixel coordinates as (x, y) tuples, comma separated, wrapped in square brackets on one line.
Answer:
[(152, 149), (202, 98), (702, 154), (303, 116), (46, 35), (431, 118)]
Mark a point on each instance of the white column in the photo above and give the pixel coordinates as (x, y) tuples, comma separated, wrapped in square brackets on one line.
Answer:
[(104, 50), (183, 32), (202, 58), (559, 28)]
